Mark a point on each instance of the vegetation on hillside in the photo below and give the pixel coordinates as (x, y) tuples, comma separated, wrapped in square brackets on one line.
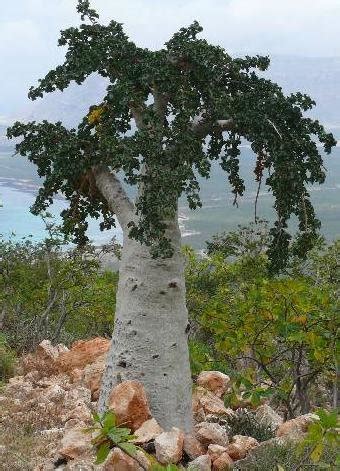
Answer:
[(275, 335), (50, 290)]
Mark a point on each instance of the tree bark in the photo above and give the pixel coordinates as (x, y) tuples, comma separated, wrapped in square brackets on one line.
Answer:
[(149, 342)]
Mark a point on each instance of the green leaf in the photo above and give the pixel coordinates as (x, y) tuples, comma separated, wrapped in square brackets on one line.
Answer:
[(102, 453), (109, 420), (118, 435), (317, 452), (129, 448), (96, 417), (327, 419)]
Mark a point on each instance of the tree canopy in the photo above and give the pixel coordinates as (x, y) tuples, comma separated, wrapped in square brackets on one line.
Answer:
[(167, 115)]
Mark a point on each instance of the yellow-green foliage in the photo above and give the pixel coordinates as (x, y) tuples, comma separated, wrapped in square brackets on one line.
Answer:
[(279, 332), (322, 435)]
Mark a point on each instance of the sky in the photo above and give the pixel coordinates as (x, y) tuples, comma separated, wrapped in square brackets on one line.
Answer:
[(29, 30)]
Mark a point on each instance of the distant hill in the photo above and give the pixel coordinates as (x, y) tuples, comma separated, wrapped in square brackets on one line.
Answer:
[(318, 77), (5, 145)]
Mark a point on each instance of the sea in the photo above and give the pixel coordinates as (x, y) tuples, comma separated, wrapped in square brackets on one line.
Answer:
[(19, 184)]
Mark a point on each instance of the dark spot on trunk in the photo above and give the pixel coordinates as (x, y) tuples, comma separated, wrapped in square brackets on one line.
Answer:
[(164, 374), (134, 287), (162, 292), (187, 329), (155, 356), (122, 363), (60, 462), (172, 284), (174, 345), (129, 322)]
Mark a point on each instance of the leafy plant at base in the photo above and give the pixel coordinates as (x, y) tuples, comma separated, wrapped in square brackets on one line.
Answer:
[(109, 435)]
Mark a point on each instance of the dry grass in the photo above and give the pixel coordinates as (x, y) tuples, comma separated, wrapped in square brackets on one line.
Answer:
[(22, 450), (22, 444)]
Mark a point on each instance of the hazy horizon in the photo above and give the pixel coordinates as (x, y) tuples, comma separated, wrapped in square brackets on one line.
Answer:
[(242, 27)]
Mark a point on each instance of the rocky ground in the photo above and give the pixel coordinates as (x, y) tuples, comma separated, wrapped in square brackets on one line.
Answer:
[(45, 410)]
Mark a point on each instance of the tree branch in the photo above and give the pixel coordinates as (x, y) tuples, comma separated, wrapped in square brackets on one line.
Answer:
[(160, 103), (137, 113), (201, 125), (112, 190)]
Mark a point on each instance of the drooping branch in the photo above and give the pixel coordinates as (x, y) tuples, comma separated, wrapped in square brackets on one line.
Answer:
[(112, 190)]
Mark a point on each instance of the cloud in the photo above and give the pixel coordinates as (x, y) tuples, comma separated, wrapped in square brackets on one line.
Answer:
[(29, 30), (303, 27)]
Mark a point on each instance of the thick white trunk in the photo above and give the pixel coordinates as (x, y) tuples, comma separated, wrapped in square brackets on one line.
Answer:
[(150, 341)]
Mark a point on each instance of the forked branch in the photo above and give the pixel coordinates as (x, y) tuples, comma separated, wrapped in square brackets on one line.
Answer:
[(201, 125)]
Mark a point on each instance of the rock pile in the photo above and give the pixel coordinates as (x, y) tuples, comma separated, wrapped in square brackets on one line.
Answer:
[(61, 387)]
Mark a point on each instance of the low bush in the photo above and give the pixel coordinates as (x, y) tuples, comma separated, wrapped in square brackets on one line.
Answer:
[(51, 290), (275, 334), (7, 359), (244, 422), (285, 457)]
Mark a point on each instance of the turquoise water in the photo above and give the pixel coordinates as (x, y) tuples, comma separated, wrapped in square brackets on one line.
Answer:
[(16, 219), (17, 195), (218, 214)]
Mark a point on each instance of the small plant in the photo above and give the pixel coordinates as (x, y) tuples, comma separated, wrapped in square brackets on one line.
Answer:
[(245, 423), (109, 435), (323, 434)]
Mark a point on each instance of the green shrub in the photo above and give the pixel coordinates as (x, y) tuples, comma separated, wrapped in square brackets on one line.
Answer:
[(203, 357), (323, 435), (245, 423), (51, 290), (278, 331), (285, 457), (7, 359)]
